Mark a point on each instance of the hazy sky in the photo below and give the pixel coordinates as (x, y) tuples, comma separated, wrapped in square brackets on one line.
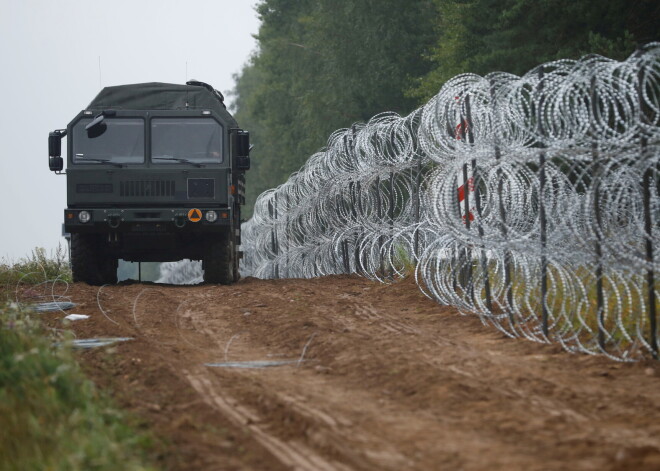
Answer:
[(49, 58)]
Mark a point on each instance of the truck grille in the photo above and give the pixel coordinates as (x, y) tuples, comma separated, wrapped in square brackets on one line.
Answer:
[(147, 188), (94, 188)]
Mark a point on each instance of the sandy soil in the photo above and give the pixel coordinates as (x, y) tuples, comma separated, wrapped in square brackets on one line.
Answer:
[(389, 380)]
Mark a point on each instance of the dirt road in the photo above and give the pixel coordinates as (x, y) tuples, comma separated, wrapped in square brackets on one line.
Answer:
[(381, 378)]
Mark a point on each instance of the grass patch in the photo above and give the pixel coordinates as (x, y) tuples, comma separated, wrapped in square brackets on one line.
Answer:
[(38, 267), (404, 262), (51, 416), (572, 300)]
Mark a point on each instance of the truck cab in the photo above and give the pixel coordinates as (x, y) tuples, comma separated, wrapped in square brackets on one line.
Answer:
[(155, 172)]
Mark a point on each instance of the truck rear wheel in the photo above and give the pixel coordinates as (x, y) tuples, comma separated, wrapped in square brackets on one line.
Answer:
[(219, 260), (90, 262)]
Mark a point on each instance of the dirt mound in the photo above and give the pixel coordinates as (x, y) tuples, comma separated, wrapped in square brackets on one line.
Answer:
[(374, 377)]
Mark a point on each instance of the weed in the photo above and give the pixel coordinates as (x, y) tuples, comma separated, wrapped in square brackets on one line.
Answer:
[(38, 267), (404, 262), (51, 416)]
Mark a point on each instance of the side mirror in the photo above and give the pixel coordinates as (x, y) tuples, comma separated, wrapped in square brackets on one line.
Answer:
[(243, 143), (243, 163), (55, 161), (241, 149)]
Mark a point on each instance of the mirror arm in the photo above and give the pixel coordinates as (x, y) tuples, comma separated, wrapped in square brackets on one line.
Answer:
[(97, 120)]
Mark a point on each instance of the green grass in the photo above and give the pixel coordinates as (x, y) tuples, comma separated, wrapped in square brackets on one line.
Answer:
[(51, 416), (38, 267), (573, 307), (404, 262)]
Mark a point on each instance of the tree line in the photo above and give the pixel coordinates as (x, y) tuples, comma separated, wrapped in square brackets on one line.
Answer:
[(321, 65)]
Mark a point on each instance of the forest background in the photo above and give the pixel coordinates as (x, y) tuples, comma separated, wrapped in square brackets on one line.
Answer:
[(322, 65)]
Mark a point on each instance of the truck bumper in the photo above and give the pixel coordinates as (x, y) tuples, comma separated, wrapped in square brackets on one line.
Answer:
[(177, 220)]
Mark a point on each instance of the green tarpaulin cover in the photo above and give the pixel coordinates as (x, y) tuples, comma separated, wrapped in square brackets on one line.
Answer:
[(160, 96)]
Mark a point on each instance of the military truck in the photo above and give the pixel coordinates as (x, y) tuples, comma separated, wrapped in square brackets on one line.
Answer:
[(155, 172)]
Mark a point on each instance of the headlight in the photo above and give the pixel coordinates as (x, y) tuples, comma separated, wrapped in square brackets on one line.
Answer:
[(211, 216), (84, 216)]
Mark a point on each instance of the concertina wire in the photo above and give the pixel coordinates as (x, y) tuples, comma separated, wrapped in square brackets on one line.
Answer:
[(531, 202)]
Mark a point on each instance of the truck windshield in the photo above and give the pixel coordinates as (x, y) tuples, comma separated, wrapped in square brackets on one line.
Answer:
[(186, 140), (121, 143)]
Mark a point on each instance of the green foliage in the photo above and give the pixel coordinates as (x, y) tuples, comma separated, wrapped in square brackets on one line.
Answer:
[(482, 36), (404, 261), (51, 416), (323, 65), (572, 301), (37, 267)]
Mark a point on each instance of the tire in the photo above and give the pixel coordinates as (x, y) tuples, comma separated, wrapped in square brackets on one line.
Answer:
[(109, 273), (219, 261), (89, 262), (237, 274)]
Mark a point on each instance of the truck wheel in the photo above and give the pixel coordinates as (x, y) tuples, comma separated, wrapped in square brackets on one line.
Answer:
[(109, 270), (235, 262), (89, 263), (219, 262), (237, 273)]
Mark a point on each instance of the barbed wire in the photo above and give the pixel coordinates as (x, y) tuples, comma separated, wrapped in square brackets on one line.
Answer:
[(529, 201)]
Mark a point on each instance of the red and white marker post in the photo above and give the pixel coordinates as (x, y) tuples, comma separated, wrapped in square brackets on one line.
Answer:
[(465, 178)]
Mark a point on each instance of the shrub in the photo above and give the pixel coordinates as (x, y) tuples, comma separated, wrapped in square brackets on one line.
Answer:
[(38, 267), (51, 416)]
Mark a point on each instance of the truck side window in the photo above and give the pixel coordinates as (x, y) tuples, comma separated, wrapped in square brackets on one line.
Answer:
[(122, 142), (198, 140)]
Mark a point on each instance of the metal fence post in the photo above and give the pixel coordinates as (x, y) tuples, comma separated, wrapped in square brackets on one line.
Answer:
[(356, 251), (276, 241), (500, 196), (477, 203), (542, 215), (417, 202), (379, 214), (343, 244), (456, 255), (390, 214), (598, 248), (466, 278), (650, 273), (286, 236), (355, 202), (273, 237), (648, 185)]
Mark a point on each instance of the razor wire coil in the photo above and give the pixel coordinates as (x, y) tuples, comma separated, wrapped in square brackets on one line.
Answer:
[(532, 202)]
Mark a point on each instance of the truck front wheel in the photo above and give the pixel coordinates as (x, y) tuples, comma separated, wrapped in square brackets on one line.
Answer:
[(219, 261), (90, 262)]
